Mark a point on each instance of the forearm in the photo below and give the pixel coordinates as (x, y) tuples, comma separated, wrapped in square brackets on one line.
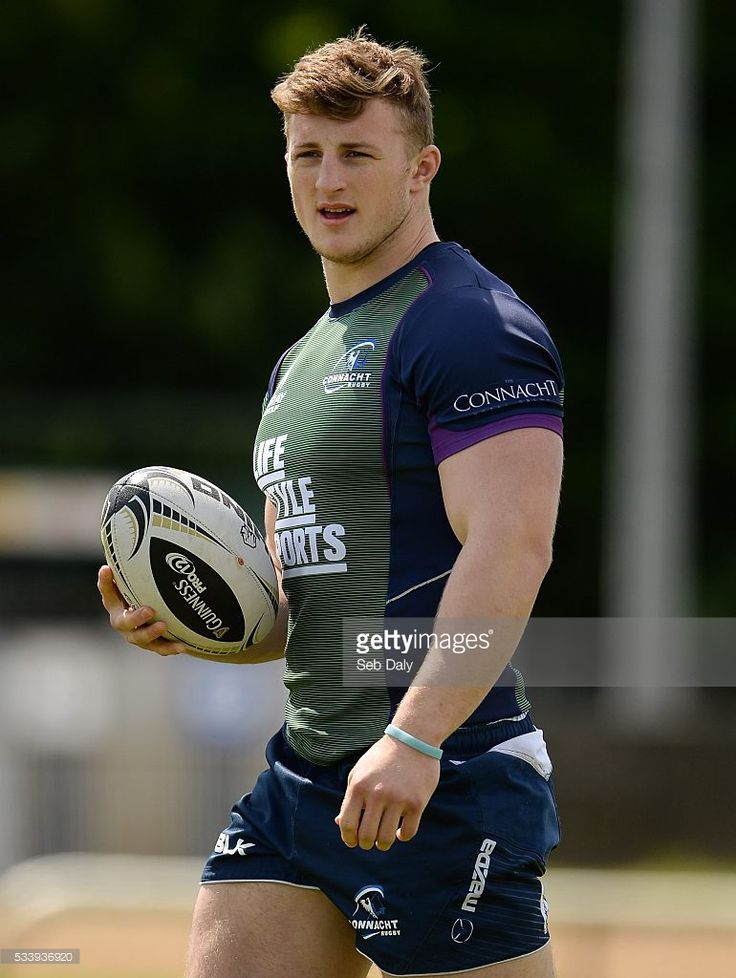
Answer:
[(495, 592)]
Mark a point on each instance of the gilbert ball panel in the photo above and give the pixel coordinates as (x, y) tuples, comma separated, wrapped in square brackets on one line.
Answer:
[(182, 546)]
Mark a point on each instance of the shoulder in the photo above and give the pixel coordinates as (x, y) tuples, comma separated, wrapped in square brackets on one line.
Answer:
[(466, 308), (449, 265)]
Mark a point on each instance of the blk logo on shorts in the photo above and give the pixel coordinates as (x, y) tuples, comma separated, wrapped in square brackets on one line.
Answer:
[(222, 846)]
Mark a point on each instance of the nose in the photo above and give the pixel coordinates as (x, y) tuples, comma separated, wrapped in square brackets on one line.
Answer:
[(331, 176)]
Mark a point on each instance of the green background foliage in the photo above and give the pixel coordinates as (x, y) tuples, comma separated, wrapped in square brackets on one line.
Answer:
[(154, 271)]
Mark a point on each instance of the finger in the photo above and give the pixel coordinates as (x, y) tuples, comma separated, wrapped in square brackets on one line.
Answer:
[(409, 826), (146, 633), (131, 619), (387, 830), (122, 617), (112, 599), (349, 817), (163, 646), (369, 822)]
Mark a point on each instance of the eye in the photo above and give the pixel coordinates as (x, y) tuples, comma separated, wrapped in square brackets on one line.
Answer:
[(306, 154), (357, 152)]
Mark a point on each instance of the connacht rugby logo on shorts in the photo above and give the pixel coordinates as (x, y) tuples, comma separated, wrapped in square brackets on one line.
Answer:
[(348, 372), (370, 917)]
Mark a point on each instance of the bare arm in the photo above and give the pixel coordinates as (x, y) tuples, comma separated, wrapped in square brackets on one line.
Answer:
[(138, 627), (506, 553), (501, 499)]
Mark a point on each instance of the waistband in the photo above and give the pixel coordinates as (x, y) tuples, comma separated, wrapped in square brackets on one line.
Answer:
[(479, 737), (465, 742)]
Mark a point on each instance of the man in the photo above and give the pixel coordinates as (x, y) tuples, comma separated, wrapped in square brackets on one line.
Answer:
[(411, 457)]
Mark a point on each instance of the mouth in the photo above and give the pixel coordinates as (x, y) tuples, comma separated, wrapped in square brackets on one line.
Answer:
[(335, 213)]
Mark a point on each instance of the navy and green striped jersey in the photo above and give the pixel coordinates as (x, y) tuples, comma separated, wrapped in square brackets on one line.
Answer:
[(358, 415)]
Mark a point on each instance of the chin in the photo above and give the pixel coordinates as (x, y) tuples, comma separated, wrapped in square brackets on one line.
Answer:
[(345, 255), (341, 257)]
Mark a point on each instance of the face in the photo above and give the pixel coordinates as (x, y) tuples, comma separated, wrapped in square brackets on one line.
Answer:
[(353, 182)]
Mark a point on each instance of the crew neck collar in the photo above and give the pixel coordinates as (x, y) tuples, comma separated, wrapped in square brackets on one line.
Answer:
[(347, 305)]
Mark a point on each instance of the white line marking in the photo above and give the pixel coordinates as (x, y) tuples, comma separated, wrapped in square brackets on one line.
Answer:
[(270, 478), (308, 569), (288, 521), (417, 586)]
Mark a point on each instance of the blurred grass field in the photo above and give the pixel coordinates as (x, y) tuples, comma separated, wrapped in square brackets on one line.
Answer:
[(130, 917), (152, 945)]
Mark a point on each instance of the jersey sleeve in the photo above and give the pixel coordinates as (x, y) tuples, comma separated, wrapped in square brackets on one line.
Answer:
[(478, 363), (273, 380)]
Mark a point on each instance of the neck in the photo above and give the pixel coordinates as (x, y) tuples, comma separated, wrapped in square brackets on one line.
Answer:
[(344, 281)]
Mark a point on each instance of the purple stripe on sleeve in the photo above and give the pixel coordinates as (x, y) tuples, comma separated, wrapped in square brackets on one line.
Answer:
[(446, 443)]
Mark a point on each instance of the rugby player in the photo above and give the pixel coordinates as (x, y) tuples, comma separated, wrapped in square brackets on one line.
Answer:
[(410, 452)]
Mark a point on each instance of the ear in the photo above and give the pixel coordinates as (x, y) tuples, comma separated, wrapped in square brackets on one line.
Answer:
[(424, 167)]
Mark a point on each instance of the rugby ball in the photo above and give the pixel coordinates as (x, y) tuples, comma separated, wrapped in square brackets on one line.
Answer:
[(180, 545)]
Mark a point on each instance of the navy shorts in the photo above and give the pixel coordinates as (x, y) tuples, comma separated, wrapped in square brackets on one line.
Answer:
[(464, 893)]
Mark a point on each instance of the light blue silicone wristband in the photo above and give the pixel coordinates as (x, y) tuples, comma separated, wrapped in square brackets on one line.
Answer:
[(406, 738)]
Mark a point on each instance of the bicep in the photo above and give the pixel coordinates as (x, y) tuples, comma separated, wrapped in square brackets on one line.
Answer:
[(507, 486)]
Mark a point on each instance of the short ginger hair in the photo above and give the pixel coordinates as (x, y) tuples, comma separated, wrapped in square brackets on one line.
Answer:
[(337, 79)]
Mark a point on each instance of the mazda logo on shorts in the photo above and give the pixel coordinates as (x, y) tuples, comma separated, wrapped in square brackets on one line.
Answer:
[(462, 930)]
